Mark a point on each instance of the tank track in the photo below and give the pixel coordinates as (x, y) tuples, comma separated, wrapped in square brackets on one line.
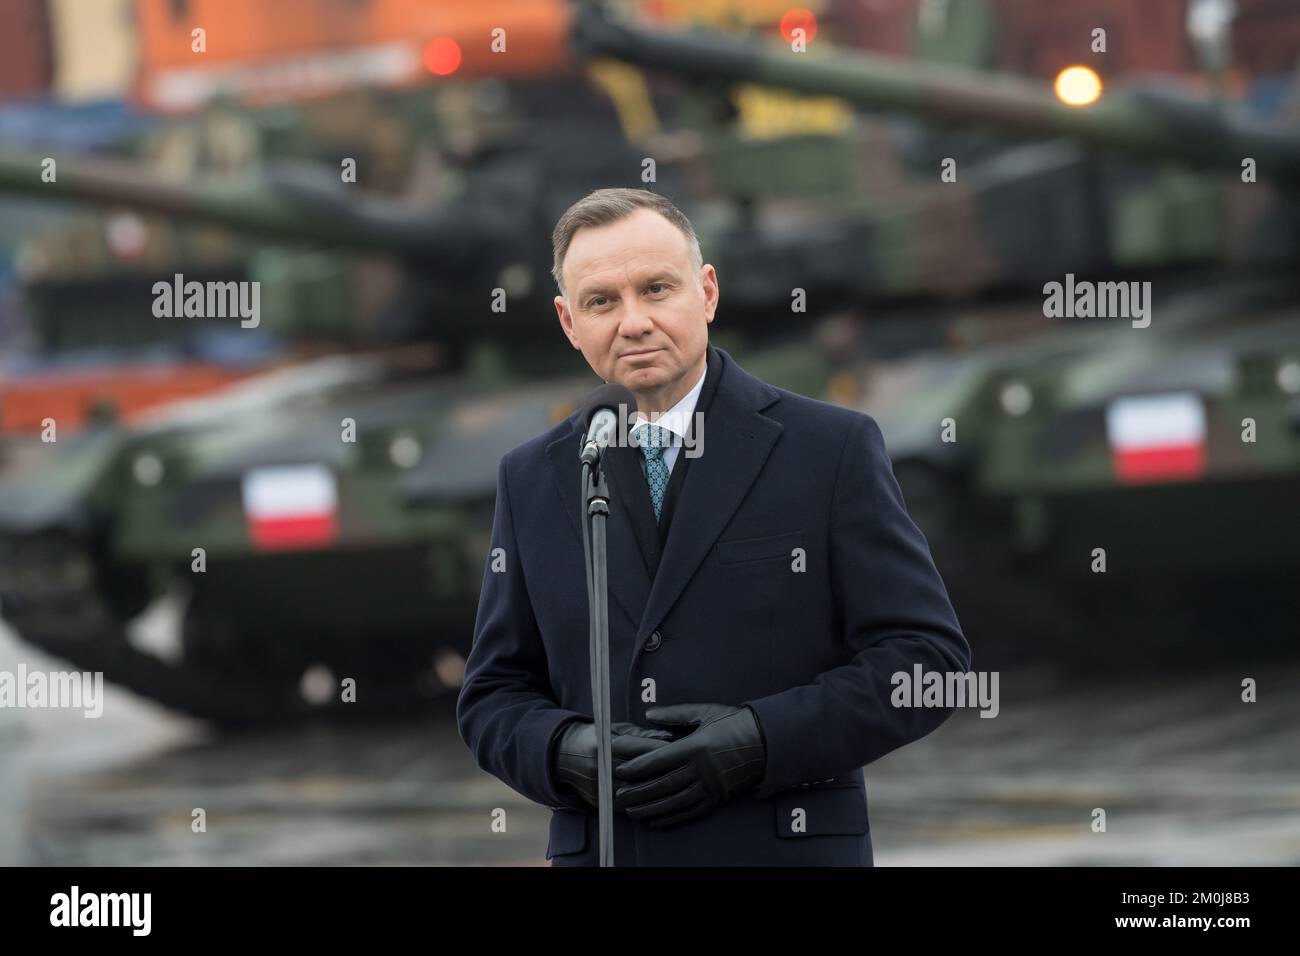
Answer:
[(53, 598)]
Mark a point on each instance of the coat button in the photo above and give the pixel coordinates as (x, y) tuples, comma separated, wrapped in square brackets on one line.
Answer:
[(652, 642)]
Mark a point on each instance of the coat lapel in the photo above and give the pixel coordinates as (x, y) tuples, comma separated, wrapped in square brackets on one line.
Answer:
[(629, 580), (736, 443), (629, 492)]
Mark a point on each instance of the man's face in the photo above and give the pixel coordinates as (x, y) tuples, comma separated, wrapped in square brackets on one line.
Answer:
[(637, 309)]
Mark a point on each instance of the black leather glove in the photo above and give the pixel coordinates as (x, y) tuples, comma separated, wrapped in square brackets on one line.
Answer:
[(574, 761), (724, 757)]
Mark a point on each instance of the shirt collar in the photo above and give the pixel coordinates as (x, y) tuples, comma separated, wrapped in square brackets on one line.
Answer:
[(678, 418)]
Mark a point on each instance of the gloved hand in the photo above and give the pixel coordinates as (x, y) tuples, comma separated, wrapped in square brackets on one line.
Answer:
[(574, 762), (724, 757)]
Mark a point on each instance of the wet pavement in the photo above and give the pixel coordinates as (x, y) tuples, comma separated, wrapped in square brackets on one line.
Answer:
[(1186, 772)]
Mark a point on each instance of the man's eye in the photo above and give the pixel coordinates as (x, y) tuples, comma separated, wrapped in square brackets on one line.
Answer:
[(656, 285), (597, 301)]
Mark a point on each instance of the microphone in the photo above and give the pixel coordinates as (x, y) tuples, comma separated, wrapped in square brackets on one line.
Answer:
[(602, 411)]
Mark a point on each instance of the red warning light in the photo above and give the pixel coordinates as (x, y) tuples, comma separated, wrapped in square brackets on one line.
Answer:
[(442, 56), (795, 19)]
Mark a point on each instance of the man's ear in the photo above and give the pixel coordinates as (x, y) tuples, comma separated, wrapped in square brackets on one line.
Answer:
[(709, 282), (566, 320)]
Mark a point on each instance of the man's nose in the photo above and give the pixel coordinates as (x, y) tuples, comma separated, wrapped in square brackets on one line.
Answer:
[(636, 321)]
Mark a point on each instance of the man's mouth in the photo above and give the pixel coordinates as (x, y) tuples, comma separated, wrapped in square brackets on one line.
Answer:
[(640, 353)]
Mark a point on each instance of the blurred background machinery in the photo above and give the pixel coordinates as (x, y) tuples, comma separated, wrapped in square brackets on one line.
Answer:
[(886, 190)]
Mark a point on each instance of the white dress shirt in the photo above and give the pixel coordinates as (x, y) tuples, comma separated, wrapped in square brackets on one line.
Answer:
[(676, 420)]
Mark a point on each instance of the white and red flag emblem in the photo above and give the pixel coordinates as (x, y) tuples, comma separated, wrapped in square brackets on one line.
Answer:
[(291, 506), (1157, 437)]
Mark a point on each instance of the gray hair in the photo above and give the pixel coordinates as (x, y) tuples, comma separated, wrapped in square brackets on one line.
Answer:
[(604, 206)]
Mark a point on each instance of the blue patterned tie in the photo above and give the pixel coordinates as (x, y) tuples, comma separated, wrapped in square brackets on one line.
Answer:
[(654, 438)]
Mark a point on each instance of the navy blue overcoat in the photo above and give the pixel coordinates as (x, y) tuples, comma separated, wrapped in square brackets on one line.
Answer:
[(791, 579)]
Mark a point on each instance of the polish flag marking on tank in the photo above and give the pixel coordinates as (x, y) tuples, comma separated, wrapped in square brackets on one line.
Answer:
[(1157, 437), (292, 506)]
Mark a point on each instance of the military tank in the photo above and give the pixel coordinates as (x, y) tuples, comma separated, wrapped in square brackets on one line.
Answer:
[(1104, 486), (393, 453), (1041, 444), (376, 580), (342, 497)]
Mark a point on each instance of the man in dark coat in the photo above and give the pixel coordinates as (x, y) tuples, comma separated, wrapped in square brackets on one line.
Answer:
[(766, 584)]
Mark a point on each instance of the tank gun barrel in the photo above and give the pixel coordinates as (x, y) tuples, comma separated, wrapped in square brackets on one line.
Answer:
[(1147, 125), (284, 207)]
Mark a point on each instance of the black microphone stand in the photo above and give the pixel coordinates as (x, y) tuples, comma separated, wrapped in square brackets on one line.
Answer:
[(596, 495)]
